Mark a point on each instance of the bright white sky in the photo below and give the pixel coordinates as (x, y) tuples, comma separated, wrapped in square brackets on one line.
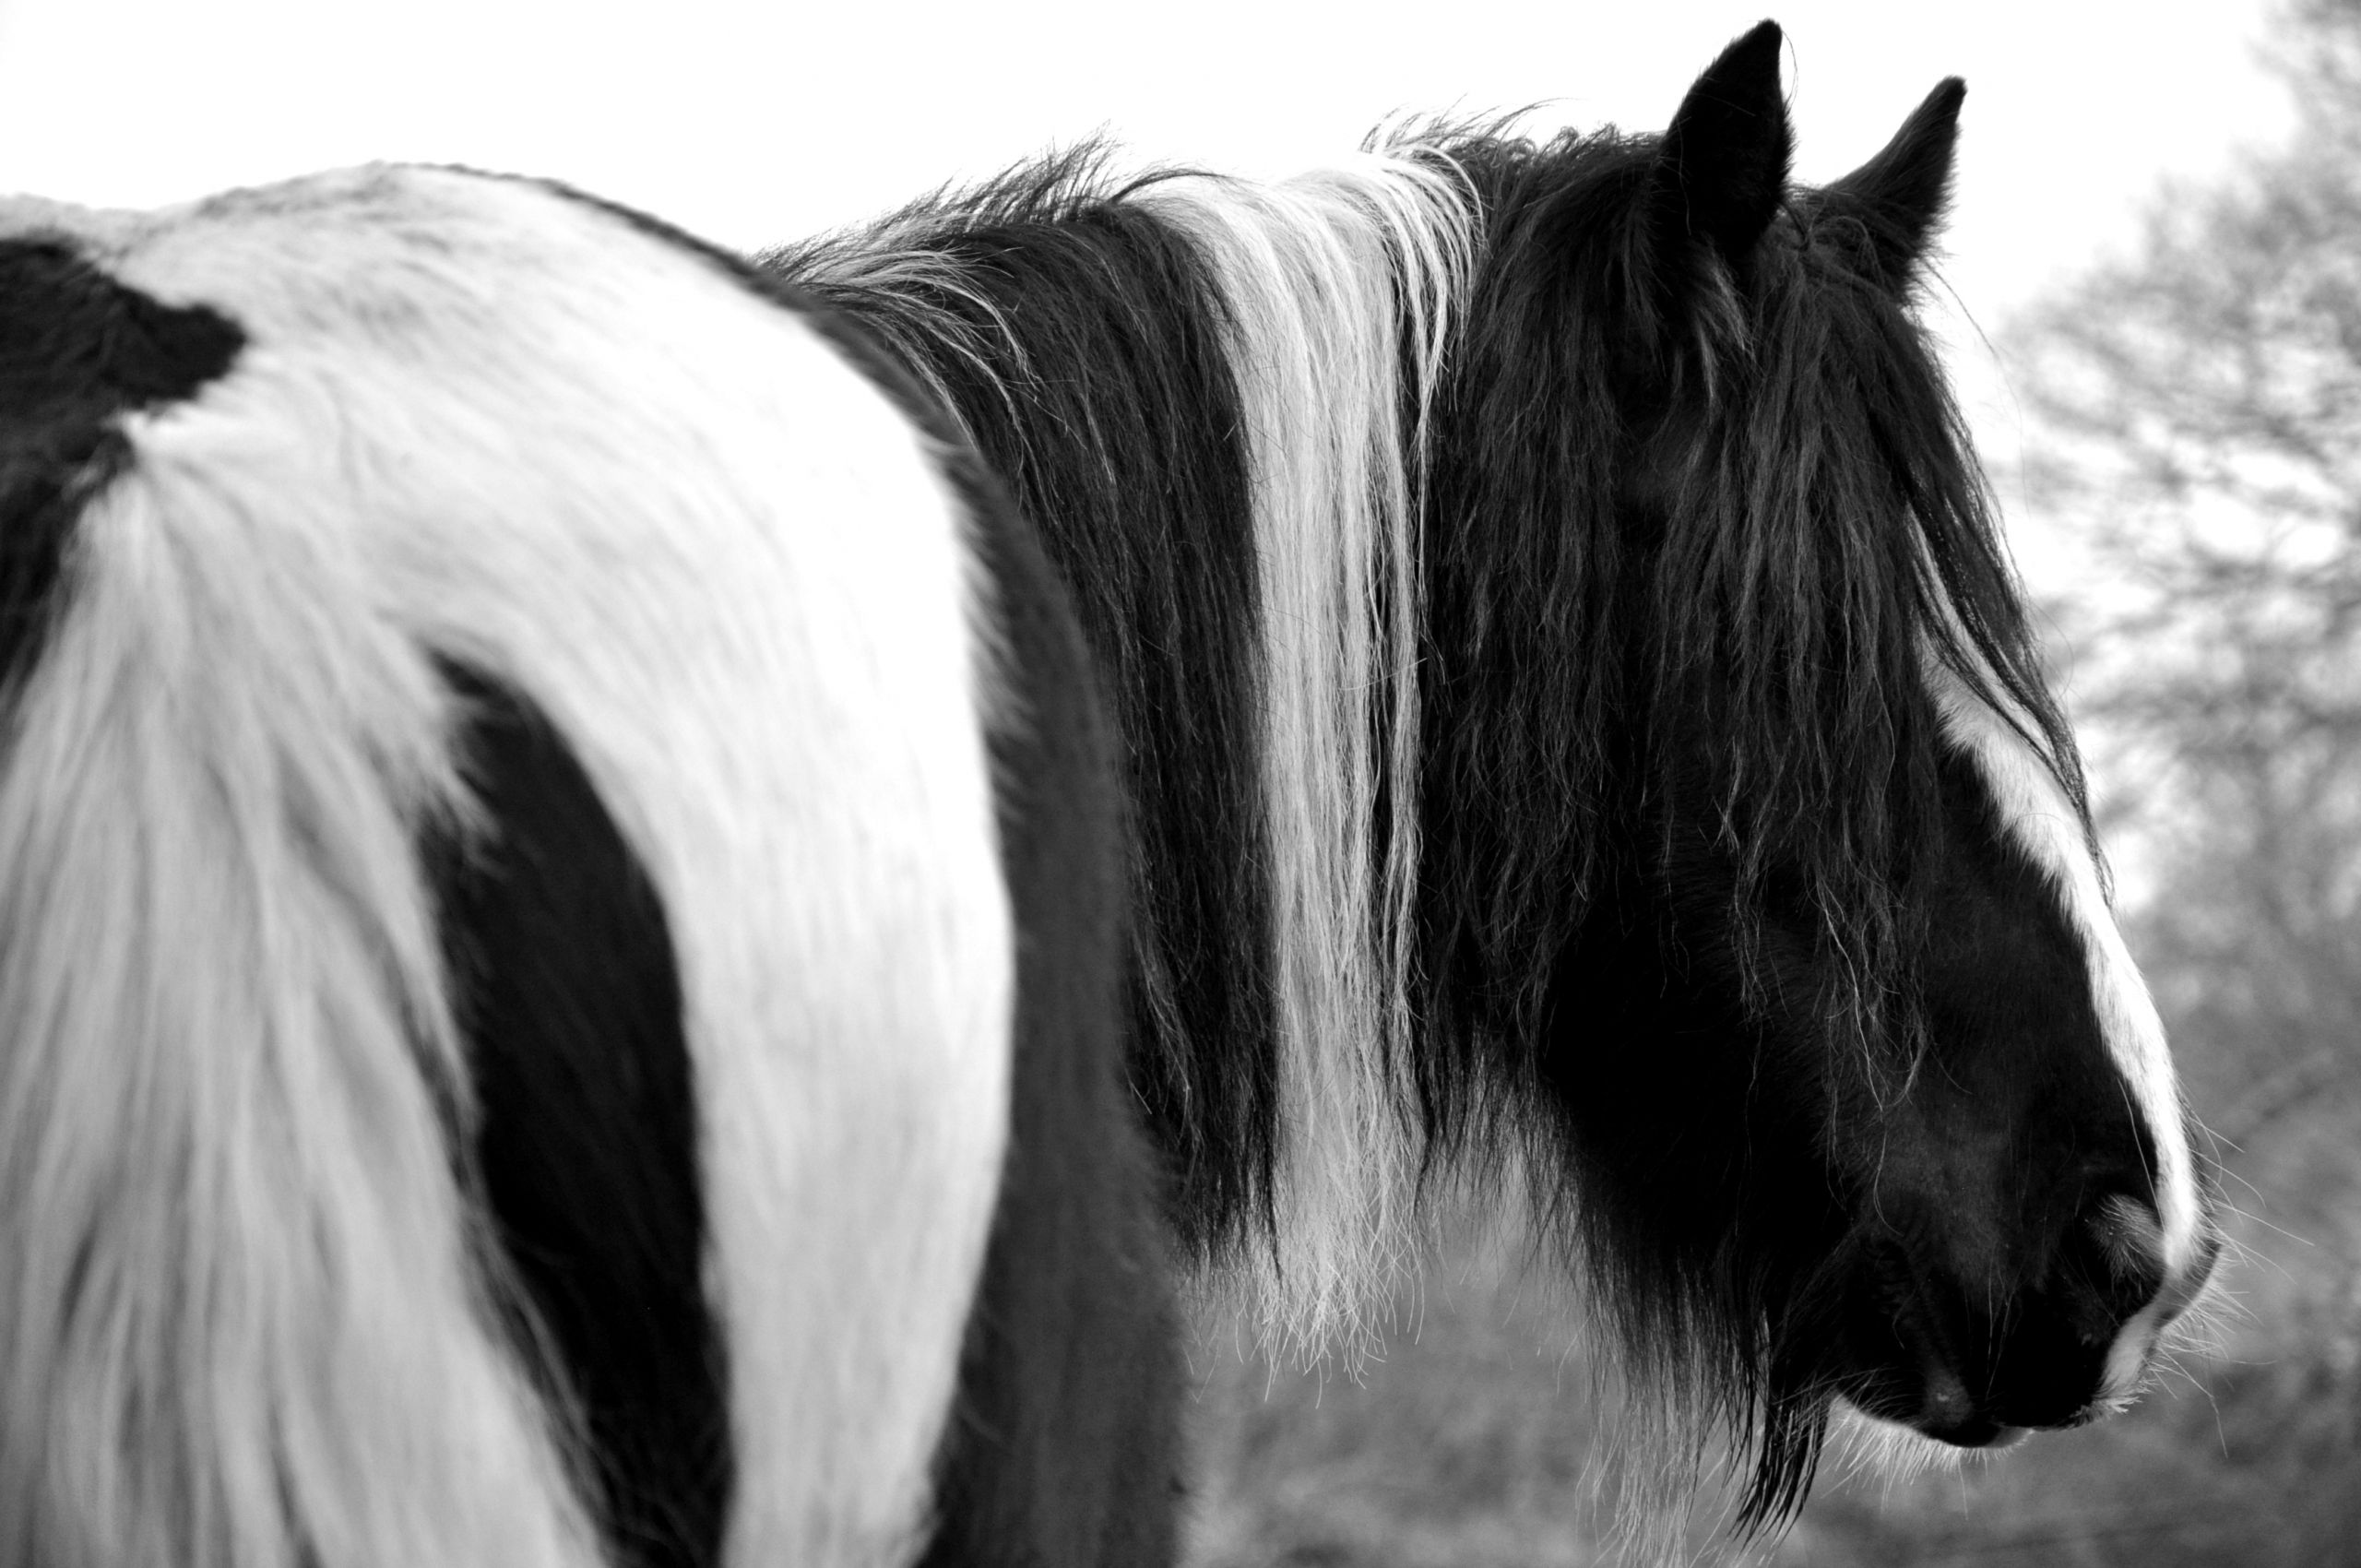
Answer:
[(753, 123)]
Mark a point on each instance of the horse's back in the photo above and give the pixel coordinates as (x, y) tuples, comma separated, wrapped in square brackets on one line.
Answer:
[(535, 786)]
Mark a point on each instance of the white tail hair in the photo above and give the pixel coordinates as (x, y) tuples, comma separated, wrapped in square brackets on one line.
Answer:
[(243, 1325)]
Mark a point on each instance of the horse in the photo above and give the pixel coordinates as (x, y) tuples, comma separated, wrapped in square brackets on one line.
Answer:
[(656, 901)]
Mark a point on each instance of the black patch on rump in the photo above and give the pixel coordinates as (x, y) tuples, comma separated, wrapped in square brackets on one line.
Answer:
[(585, 1143), (1081, 343), (78, 351)]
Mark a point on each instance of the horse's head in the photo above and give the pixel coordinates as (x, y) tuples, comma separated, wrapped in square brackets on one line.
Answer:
[(1860, 1093)]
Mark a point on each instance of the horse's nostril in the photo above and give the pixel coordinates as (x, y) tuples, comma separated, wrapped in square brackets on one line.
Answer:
[(2131, 1240)]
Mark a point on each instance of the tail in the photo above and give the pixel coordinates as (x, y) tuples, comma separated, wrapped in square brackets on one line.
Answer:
[(243, 1325)]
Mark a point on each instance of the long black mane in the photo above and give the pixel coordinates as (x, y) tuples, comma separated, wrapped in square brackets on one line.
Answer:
[(1694, 534), (1729, 515), (1689, 529)]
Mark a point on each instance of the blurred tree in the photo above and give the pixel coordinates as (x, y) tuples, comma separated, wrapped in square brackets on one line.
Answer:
[(2196, 426)]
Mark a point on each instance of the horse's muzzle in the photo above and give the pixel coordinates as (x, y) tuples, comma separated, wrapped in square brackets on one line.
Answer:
[(1973, 1357)]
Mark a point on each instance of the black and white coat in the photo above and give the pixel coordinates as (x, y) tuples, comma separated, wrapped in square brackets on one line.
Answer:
[(516, 950), (595, 931)]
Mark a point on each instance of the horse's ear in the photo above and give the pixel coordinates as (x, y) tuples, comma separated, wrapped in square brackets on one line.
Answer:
[(1722, 168), (1900, 194)]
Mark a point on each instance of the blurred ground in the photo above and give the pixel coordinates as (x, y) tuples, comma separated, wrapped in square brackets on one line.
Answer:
[(1472, 1444)]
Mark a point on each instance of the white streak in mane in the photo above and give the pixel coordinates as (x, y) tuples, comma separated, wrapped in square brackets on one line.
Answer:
[(1319, 273), (1325, 277)]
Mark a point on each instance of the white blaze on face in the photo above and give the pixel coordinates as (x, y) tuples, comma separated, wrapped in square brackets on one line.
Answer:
[(2045, 824)]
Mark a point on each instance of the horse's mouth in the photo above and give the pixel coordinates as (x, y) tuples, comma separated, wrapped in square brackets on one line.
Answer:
[(1978, 1433), (1948, 1414), (1972, 1357), (1927, 1357), (1933, 1401)]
